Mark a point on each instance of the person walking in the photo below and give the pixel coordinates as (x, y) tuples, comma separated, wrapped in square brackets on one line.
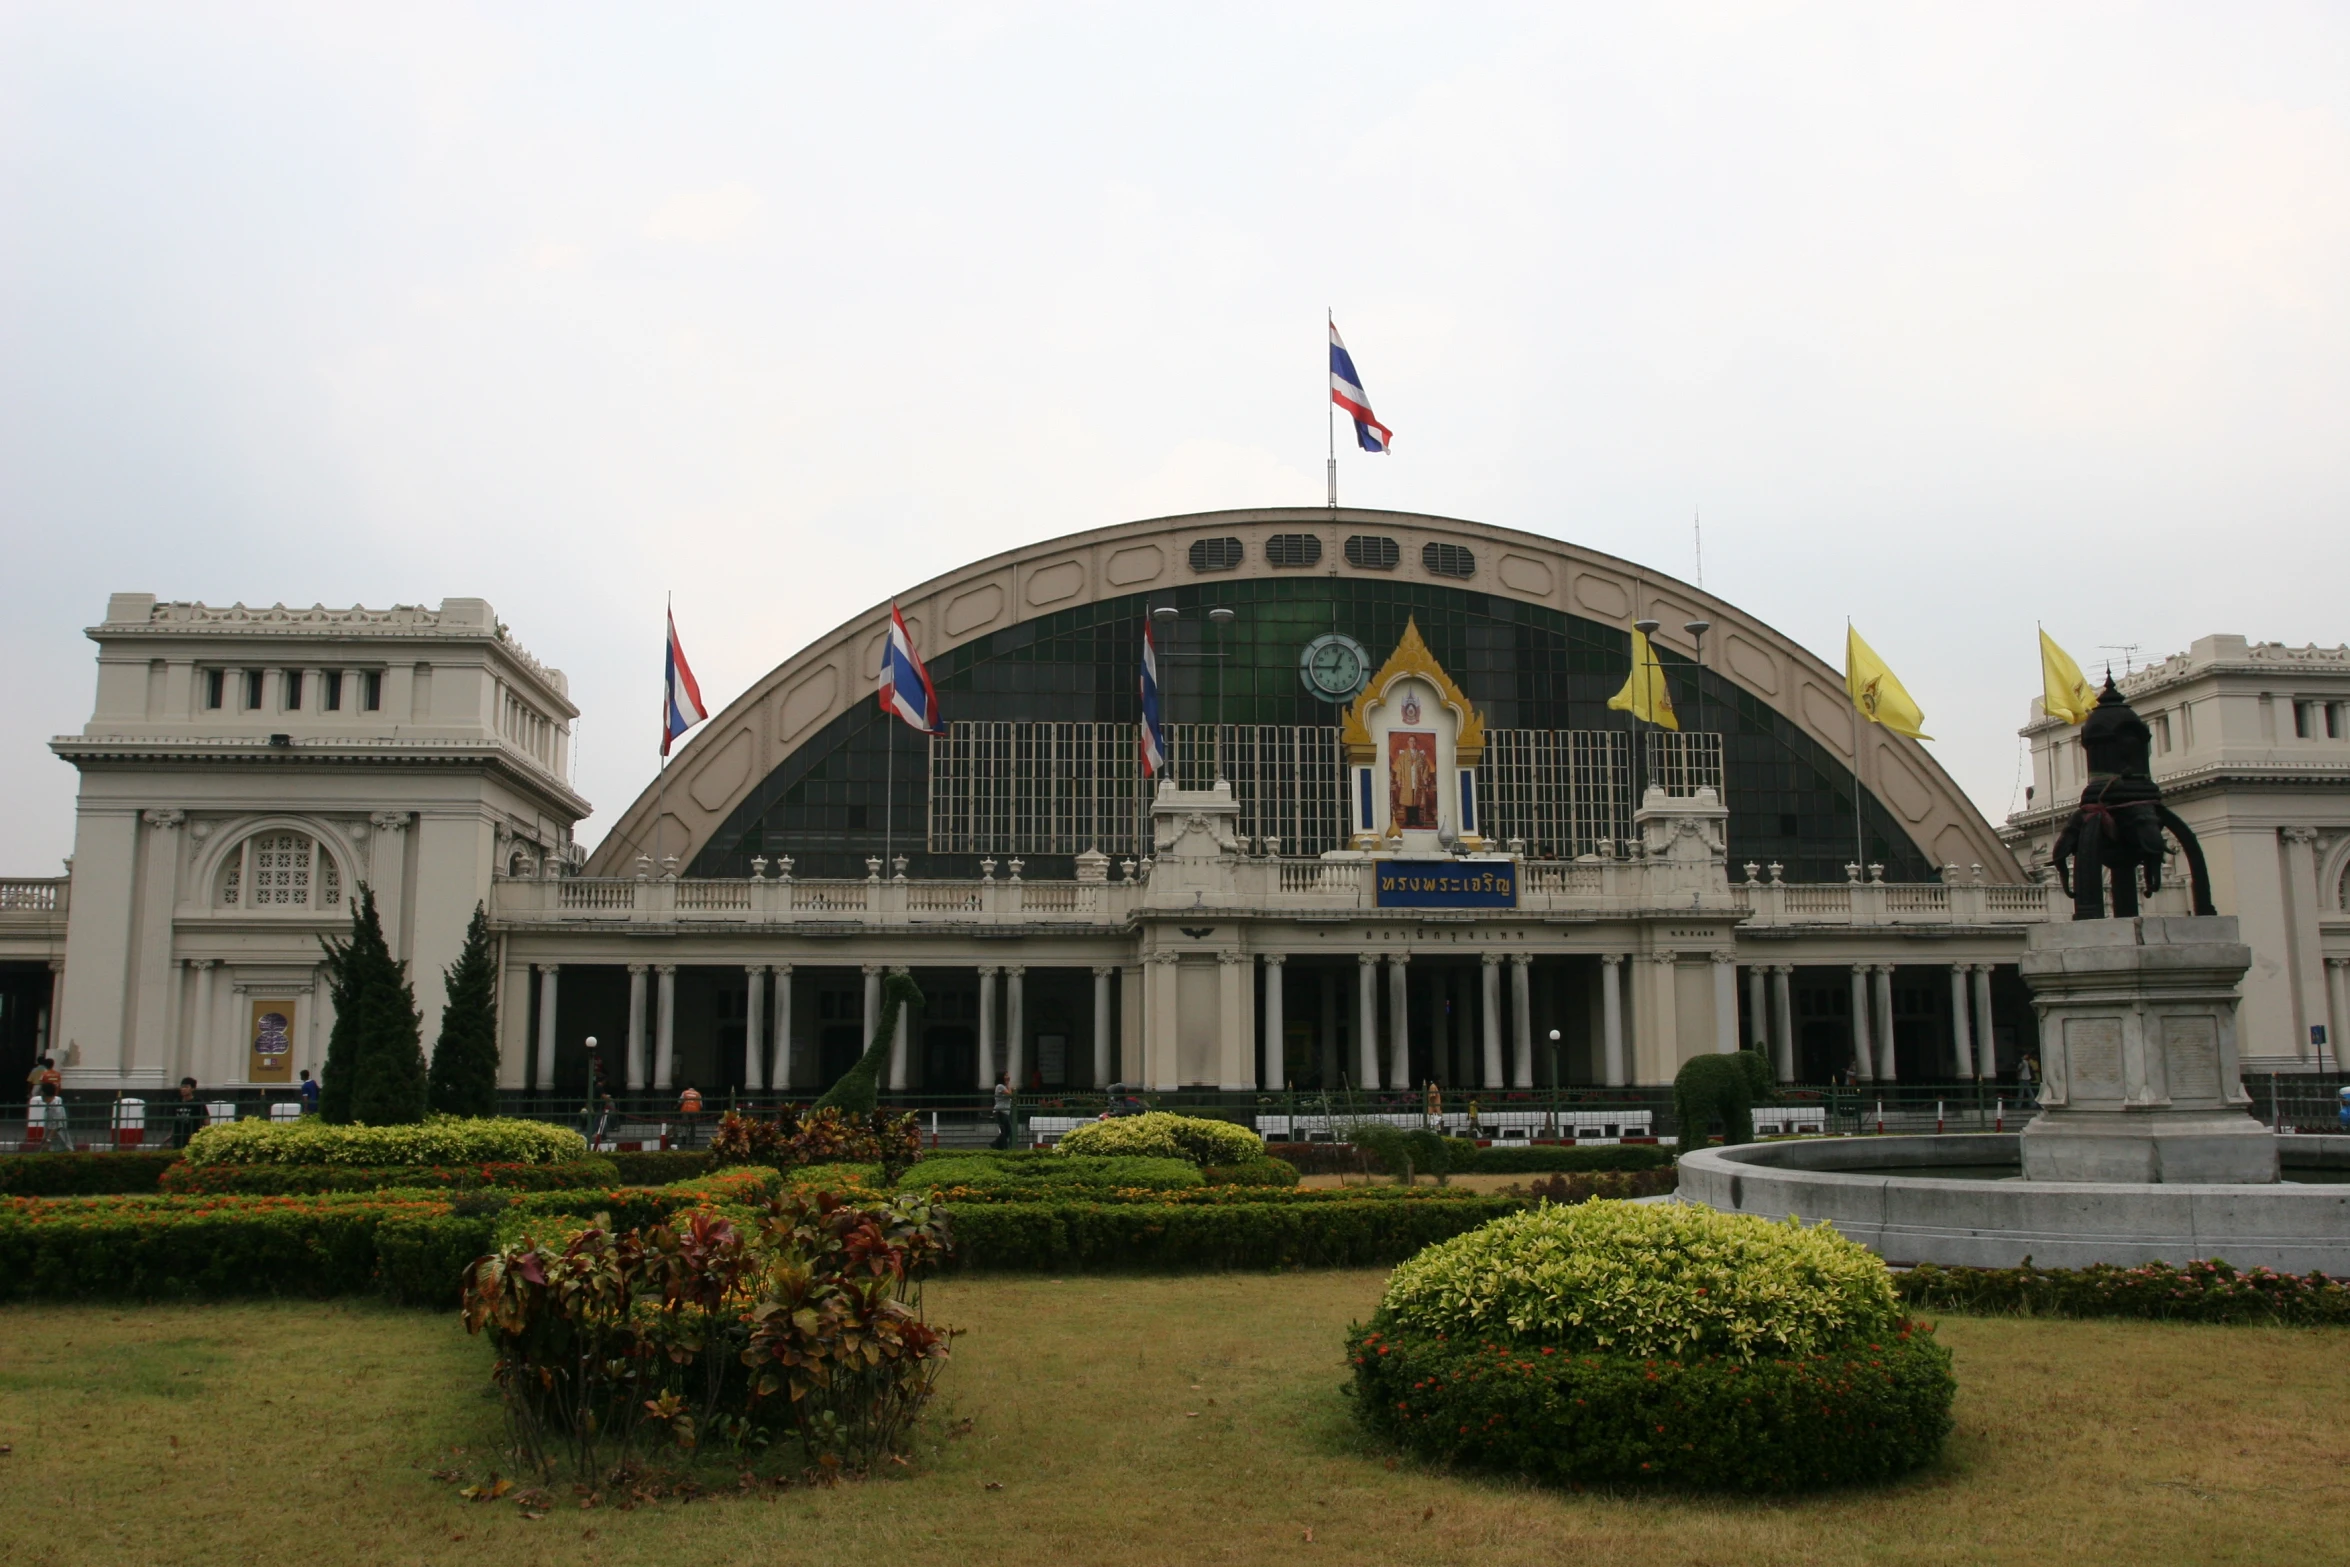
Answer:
[(187, 1116), (603, 1125), (689, 1106), (1003, 1110), (48, 1114), (2027, 1080), (309, 1092)]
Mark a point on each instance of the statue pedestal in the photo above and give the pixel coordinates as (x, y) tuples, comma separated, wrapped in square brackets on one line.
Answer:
[(2138, 1051)]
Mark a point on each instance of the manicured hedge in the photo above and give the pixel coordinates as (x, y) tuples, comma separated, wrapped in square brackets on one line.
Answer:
[(2199, 1292), (660, 1166), (1251, 1172), (1469, 1159), (172, 1248), (83, 1174), (1053, 1170), (441, 1139), (418, 1261), (1062, 1237), (1867, 1412), (292, 1179)]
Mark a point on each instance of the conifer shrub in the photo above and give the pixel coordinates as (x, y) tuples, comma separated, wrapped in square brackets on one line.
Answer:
[(1625, 1343), (464, 1074), (374, 1072)]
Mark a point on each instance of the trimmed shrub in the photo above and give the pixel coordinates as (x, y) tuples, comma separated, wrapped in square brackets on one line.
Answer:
[(1865, 1412), (1162, 1135), (464, 1076), (858, 1090), (1075, 1170), (148, 1247), (1520, 1160), (83, 1174), (420, 1262), (1251, 1172), (1646, 1280), (443, 1140), (660, 1166), (1723, 1088), (289, 1179), (1350, 1231), (2209, 1291), (1599, 1185)]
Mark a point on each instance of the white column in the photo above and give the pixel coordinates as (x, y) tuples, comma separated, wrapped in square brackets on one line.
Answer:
[(1235, 1070), (1399, 1043), (1016, 1028), (664, 1024), (1962, 1045), (1611, 1015), (1725, 1003), (781, 1077), (1884, 1023), (899, 1033), (1863, 1052), (1661, 1013), (154, 973), (548, 976), (636, 1028), (1367, 1035), (1521, 1022), (2307, 962), (1489, 1008), (987, 1066), (1783, 1021), (1758, 1021), (872, 1013), (1986, 1047), (200, 1044), (1276, 1042), (1103, 1073), (754, 1030)]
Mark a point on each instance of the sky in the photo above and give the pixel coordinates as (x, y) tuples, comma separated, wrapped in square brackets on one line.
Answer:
[(1949, 319)]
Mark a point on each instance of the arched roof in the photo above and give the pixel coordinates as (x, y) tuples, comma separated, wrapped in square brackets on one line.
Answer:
[(738, 748)]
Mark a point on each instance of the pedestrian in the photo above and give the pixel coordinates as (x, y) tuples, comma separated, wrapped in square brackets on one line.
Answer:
[(45, 1072), (689, 1105), (309, 1090), (603, 1125), (2027, 1080), (48, 1113), (1003, 1110), (187, 1116)]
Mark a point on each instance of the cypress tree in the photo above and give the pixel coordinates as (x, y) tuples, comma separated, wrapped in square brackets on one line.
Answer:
[(374, 1059), (346, 979), (464, 1077)]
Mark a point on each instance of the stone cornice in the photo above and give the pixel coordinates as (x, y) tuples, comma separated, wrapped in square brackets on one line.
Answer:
[(85, 751)]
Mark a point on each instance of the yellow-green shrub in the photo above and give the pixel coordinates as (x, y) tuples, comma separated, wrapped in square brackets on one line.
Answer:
[(1162, 1135), (1642, 1279), (442, 1140)]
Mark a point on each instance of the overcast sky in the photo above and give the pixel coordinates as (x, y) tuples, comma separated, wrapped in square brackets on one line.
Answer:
[(1949, 319)]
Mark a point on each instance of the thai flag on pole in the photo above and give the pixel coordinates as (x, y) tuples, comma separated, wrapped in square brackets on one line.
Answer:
[(905, 685), (681, 698), (1346, 390), (1154, 738)]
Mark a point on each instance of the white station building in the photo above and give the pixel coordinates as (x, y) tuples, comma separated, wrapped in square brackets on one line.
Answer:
[(1403, 838)]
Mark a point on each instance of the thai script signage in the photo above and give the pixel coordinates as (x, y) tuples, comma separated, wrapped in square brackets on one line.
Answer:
[(1447, 884)]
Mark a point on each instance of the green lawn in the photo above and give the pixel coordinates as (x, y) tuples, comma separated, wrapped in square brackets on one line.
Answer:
[(1145, 1421)]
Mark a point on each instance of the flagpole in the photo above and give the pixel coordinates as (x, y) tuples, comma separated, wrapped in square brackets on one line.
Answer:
[(1860, 854), (1329, 412), (661, 776)]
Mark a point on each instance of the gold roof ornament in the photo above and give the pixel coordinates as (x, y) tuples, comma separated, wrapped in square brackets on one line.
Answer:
[(1411, 657)]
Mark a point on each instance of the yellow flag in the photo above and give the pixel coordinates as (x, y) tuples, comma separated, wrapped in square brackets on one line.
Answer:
[(1876, 692), (2068, 694), (1645, 695)]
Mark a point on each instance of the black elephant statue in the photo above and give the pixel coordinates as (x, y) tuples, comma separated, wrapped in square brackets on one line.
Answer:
[(2119, 825)]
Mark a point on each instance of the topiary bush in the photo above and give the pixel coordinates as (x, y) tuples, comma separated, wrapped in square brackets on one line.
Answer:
[(1160, 1134), (1251, 1172), (980, 1172), (441, 1140), (1620, 1342), (1723, 1088)]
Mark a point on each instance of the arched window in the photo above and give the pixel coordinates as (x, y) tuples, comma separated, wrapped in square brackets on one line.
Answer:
[(2342, 891), (281, 869)]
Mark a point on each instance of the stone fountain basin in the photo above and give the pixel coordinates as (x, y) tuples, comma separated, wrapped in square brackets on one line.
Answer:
[(1858, 1185)]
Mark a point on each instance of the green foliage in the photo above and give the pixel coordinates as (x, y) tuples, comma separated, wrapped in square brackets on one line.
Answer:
[(464, 1076), (375, 1073), (443, 1140), (1870, 1411), (1500, 1159), (979, 1171), (1220, 1231), (1251, 1172), (1404, 1154), (660, 1166), (823, 1135), (2208, 1291), (1720, 1087), (167, 1247), (859, 1090), (1647, 1280), (1591, 1185), (82, 1174), (297, 1179), (419, 1261), (1160, 1134)]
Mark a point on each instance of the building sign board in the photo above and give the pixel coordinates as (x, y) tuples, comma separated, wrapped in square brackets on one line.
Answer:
[(273, 1041), (1447, 884)]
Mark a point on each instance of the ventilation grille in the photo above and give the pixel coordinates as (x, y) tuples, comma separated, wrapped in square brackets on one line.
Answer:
[(1293, 549), (1448, 560), (1215, 554), (1370, 552)]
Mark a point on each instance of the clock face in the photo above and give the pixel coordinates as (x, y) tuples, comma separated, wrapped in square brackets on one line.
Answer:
[(1333, 667)]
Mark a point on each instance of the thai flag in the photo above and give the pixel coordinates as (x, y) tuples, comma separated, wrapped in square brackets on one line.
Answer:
[(905, 685), (681, 698), (1346, 390), (1154, 738)]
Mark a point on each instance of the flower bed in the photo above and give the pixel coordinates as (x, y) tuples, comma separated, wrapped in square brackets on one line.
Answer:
[(1622, 1343), (442, 1140), (2209, 1291)]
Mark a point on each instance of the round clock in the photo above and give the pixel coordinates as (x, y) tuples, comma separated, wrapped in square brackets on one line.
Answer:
[(1333, 667)]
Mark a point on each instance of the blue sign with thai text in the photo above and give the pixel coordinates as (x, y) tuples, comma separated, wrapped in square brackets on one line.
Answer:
[(1447, 884)]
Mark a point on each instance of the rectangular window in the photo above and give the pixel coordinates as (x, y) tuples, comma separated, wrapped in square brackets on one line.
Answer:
[(215, 684), (371, 690), (2304, 720), (2334, 721), (253, 690), (330, 691), (2160, 724), (293, 690)]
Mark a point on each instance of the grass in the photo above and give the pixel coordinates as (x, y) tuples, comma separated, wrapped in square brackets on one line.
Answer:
[(1142, 1421)]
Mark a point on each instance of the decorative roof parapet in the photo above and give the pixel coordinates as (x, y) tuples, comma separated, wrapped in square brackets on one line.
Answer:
[(1412, 657), (455, 617)]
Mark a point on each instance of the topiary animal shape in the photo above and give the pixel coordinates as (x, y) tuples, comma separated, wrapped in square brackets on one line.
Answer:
[(1724, 1087), (859, 1088)]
